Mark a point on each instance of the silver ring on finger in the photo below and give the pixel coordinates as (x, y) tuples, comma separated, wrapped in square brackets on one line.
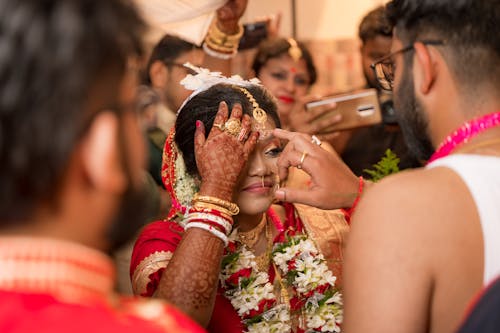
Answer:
[(302, 158), (315, 140)]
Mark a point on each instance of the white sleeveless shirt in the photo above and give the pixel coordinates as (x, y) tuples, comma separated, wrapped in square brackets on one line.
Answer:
[(481, 174)]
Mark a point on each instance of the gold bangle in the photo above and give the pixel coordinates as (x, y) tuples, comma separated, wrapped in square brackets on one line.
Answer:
[(222, 42), (215, 32), (213, 45), (205, 205), (230, 206)]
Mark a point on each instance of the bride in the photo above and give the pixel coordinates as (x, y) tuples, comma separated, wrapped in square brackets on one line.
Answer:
[(227, 254)]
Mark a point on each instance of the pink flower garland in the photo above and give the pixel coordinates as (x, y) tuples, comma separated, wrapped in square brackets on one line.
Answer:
[(464, 133)]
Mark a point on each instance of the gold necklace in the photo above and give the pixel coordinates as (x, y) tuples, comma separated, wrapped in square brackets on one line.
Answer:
[(284, 297), (264, 259), (250, 238)]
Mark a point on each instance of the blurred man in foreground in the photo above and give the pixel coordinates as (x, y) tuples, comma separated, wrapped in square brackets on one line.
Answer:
[(71, 154)]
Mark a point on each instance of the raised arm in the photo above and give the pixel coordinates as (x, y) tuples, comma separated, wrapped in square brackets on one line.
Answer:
[(190, 279), (227, 21)]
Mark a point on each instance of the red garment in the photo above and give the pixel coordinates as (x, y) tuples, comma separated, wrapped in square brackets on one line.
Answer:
[(55, 286), (154, 247)]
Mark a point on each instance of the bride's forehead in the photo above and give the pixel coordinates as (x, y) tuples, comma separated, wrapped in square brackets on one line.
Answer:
[(265, 130)]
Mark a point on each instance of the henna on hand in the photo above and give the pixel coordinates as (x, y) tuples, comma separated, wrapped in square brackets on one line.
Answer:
[(190, 279), (221, 156)]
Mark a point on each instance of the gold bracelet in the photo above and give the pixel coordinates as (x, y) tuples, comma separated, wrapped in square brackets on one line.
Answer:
[(222, 42), (205, 205), (222, 48), (230, 206), (216, 33)]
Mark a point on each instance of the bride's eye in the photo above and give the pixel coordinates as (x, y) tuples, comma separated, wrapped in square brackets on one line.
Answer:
[(274, 152)]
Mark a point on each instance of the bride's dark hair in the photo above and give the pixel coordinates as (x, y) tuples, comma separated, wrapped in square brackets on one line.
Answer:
[(204, 107)]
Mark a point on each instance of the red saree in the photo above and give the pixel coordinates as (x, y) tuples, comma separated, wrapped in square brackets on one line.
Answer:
[(158, 241)]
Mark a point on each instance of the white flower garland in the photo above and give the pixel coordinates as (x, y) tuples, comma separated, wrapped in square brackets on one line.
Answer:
[(185, 184), (305, 271)]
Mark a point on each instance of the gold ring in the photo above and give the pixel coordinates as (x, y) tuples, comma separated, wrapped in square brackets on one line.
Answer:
[(233, 126), (315, 140), (219, 126), (302, 158)]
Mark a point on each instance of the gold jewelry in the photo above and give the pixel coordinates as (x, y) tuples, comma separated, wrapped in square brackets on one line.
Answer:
[(230, 206), (284, 296), (221, 37), (264, 259), (205, 205), (219, 126), (218, 47), (258, 113), (294, 51), (250, 238), (233, 126), (220, 42), (302, 158)]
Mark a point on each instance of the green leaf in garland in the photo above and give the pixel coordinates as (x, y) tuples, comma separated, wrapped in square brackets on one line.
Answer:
[(230, 258)]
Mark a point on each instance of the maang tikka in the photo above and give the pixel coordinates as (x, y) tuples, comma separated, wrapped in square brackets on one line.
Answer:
[(258, 113)]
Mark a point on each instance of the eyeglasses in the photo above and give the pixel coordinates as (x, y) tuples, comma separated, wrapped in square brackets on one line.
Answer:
[(177, 64), (384, 67)]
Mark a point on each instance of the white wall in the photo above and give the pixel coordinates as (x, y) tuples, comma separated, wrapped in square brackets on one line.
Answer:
[(316, 19)]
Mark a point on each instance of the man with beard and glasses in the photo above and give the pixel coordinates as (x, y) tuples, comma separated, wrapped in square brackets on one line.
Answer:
[(71, 155), (423, 242)]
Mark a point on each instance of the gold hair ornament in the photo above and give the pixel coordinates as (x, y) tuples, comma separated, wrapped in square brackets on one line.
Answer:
[(294, 51), (258, 113)]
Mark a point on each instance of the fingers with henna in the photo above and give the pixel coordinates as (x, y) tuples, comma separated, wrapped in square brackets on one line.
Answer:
[(199, 136), (220, 118), (237, 111), (246, 125)]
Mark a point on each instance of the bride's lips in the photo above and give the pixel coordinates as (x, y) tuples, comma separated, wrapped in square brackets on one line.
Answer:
[(258, 188), (286, 99)]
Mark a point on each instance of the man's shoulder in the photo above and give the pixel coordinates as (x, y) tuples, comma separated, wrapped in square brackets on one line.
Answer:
[(419, 199), (415, 186), (23, 312)]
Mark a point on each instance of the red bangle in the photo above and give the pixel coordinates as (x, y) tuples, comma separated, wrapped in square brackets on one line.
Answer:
[(348, 212)]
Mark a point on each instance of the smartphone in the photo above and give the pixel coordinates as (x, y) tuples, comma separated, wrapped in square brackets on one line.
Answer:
[(358, 109), (253, 34)]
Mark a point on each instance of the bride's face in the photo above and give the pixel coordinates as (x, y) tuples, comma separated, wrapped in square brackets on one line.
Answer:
[(255, 190)]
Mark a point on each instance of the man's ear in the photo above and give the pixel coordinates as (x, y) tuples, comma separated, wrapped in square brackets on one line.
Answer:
[(158, 74), (101, 154), (425, 68)]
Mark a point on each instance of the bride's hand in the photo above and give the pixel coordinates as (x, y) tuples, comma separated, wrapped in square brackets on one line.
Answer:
[(223, 154)]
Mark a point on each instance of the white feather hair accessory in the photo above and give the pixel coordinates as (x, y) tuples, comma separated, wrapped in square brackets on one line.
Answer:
[(204, 79)]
